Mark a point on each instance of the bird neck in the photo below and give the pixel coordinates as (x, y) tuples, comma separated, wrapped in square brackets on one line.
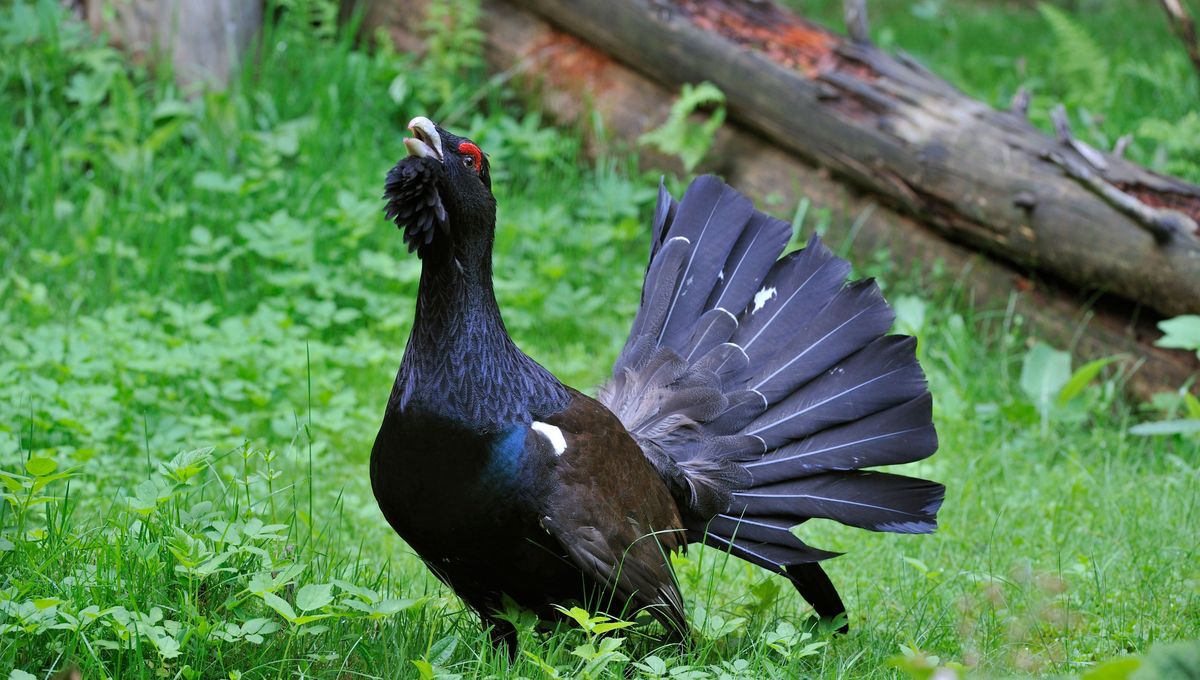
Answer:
[(460, 364), (457, 316)]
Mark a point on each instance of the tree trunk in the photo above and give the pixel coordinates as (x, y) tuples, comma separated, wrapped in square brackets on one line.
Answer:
[(571, 81), (206, 40)]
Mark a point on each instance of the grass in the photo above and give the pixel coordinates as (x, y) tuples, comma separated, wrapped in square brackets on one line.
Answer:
[(201, 313)]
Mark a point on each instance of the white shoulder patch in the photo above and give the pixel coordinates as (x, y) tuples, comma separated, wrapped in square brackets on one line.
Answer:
[(553, 434)]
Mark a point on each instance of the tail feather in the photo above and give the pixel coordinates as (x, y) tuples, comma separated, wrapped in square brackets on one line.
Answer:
[(878, 501), (700, 403), (725, 360), (714, 328), (736, 448), (756, 528), (796, 288), (771, 549), (881, 375), (662, 277), (664, 215), (856, 316), (760, 386), (743, 407), (901, 434), (665, 367), (816, 588), (756, 250), (712, 217)]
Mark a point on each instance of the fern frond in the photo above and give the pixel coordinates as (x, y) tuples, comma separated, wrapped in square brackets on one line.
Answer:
[(1078, 57), (679, 135)]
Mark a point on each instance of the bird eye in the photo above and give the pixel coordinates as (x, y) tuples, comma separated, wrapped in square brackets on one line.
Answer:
[(472, 156)]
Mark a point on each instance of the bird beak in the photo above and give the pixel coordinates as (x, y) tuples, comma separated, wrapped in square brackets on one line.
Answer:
[(425, 141)]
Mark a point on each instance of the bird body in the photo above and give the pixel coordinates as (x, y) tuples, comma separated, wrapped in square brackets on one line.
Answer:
[(487, 512), (752, 391)]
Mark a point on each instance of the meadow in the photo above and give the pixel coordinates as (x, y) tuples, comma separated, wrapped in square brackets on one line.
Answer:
[(202, 310)]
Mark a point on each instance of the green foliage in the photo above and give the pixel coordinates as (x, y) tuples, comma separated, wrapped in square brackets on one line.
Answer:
[(1171, 405), (1116, 669), (1178, 142), (593, 624), (1050, 385), (599, 651), (201, 313), (1181, 332), (1044, 373), (454, 47), (920, 665), (1081, 378), (680, 134), (1177, 661), (910, 314), (1189, 426), (1078, 58)]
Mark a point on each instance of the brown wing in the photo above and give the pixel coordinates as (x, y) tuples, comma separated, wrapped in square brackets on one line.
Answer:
[(612, 513)]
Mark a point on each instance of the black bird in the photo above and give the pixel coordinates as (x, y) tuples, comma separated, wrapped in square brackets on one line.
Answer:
[(753, 391)]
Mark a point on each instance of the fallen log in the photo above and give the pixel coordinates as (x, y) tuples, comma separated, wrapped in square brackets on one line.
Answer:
[(571, 80), (984, 178)]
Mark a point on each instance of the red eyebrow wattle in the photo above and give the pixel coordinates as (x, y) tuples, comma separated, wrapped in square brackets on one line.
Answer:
[(474, 152)]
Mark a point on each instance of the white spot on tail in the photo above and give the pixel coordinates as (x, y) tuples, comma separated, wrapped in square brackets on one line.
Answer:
[(761, 298), (553, 434)]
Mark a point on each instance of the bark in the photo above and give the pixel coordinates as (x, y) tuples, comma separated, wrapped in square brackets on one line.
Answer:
[(572, 81), (857, 25), (206, 40)]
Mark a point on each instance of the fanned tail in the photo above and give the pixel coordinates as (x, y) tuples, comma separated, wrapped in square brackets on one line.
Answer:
[(761, 386)]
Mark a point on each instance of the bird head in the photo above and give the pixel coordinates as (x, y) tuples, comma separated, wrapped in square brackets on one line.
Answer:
[(441, 193)]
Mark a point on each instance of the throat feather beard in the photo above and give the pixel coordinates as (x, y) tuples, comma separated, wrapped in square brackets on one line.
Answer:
[(413, 201)]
